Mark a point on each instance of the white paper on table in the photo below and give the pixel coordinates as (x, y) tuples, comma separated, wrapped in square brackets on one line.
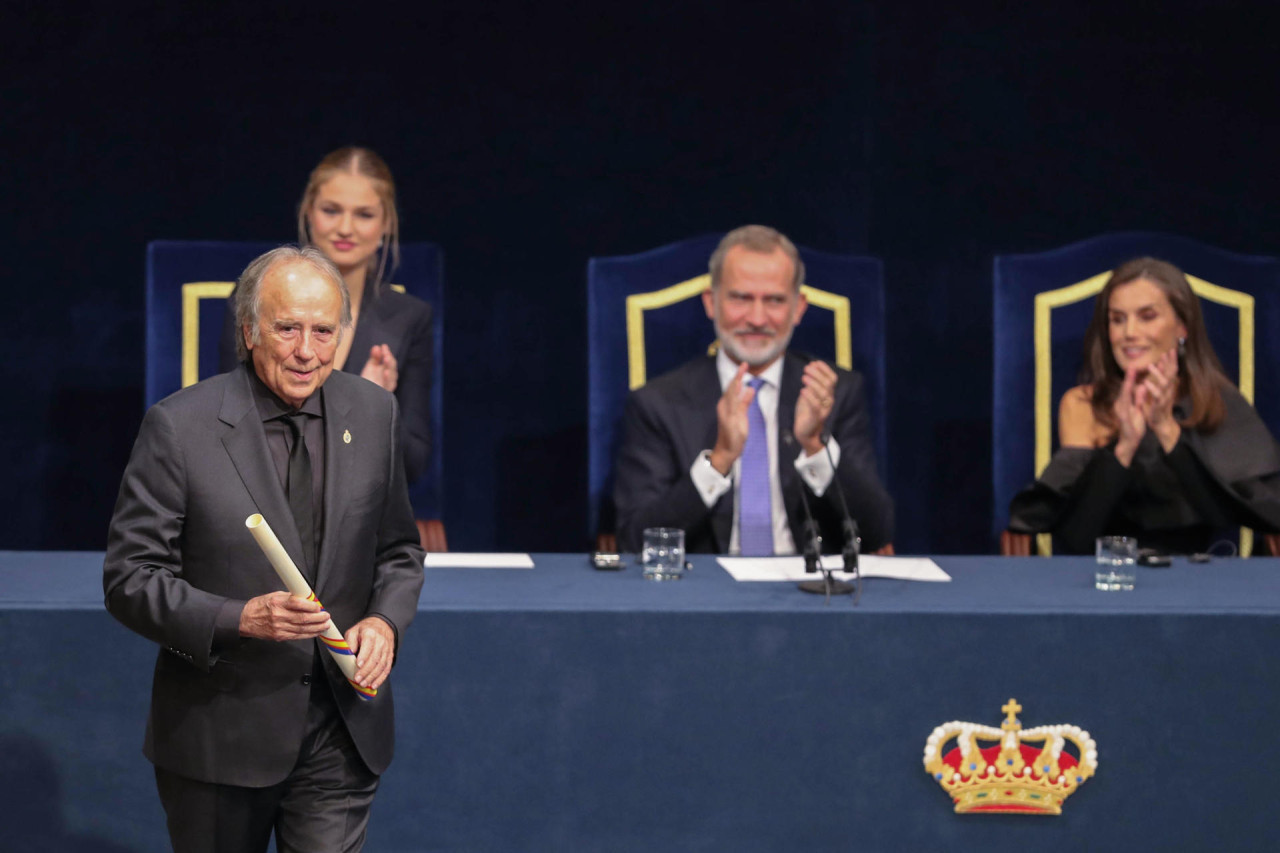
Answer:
[(792, 568), (452, 560)]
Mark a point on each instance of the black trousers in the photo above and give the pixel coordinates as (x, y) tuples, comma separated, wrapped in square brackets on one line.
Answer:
[(322, 806)]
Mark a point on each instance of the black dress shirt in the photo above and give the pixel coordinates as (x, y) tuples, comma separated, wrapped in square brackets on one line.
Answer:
[(273, 412)]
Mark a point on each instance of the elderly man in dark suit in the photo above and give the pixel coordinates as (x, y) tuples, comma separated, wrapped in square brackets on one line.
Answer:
[(722, 446), (252, 727)]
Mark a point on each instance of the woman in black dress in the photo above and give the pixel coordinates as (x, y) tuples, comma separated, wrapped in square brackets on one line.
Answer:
[(1155, 442)]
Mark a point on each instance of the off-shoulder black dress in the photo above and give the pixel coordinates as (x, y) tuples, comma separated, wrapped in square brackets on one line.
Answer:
[(1179, 502)]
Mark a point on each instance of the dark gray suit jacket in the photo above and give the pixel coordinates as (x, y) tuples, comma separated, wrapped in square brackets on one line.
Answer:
[(672, 419), (225, 709)]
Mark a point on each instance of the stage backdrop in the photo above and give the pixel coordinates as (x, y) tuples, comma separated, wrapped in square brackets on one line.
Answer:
[(529, 138)]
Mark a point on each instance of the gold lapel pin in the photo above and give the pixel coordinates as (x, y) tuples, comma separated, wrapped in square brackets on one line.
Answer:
[(346, 436)]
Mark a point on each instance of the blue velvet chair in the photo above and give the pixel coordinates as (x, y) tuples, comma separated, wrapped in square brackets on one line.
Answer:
[(1043, 303), (188, 282), (645, 317)]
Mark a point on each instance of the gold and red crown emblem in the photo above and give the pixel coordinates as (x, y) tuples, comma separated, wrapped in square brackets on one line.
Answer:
[(1021, 772)]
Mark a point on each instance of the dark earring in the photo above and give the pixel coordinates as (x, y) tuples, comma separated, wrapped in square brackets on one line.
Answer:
[(1182, 347)]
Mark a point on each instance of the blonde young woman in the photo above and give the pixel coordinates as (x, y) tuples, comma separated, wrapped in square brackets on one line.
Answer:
[(348, 211), (1155, 442)]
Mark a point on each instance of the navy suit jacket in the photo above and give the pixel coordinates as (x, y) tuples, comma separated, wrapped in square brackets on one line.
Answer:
[(232, 710), (672, 419)]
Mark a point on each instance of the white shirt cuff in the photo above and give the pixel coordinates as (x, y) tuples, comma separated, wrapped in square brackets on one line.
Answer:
[(709, 482), (818, 469)]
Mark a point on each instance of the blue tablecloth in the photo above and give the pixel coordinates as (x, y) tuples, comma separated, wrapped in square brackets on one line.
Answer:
[(562, 708)]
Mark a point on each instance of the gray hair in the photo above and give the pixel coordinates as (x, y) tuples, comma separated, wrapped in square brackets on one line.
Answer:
[(756, 238), (248, 294)]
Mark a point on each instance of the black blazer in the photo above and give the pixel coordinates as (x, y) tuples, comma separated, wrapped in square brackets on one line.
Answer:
[(402, 322), (672, 419), (231, 710)]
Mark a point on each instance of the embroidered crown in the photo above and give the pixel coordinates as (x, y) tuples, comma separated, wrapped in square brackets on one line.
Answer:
[(1021, 772)]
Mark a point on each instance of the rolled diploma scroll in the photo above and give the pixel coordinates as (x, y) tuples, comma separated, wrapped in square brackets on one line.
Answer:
[(297, 584)]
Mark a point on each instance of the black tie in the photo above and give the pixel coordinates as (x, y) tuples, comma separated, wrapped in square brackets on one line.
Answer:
[(300, 492)]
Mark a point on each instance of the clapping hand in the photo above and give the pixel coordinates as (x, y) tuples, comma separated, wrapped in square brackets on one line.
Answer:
[(381, 368), (731, 422), (1130, 415), (1161, 390), (1146, 403), (817, 397)]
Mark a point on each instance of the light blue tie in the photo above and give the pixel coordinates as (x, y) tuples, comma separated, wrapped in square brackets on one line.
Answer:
[(755, 515)]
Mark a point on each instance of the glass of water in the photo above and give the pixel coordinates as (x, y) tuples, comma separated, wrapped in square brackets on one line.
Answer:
[(1117, 557), (663, 554)]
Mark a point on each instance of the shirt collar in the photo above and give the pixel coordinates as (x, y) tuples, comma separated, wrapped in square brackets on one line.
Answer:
[(726, 368), (271, 407)]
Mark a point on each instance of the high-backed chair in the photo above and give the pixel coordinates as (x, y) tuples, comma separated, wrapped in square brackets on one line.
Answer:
[(645, 317), (188, 282), (1043, 303)]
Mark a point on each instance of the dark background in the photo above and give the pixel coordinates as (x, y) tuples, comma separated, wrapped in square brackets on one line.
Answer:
[(527, 137)]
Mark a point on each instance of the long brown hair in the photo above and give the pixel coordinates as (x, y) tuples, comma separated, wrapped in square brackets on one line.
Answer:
[(1200, 374), (358, 161)]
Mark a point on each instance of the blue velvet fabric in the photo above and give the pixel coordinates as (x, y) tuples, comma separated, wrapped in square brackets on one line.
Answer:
[(568, 709), (1019, 278), (172, 263), (678, 332)]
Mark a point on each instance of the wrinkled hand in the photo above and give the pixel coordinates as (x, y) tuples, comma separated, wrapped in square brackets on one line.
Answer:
[(1130, 413), (280, 616), (731, 422), (381, 368), (1161, 386), (817, 397), (374, 644)]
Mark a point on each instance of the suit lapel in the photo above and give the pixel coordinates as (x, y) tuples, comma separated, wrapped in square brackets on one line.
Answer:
[(363, 338), (338, 459), (704, 388), (246, 444)]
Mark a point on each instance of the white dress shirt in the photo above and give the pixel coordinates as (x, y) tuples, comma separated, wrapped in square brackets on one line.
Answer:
[(816, 470)]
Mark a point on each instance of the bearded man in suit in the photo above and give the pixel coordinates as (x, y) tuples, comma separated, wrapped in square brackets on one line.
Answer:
[(722, 446), (252, 727)]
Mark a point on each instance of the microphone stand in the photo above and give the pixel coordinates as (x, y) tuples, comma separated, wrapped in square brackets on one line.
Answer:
[(852, 541), (849, 527), (828, 586)]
